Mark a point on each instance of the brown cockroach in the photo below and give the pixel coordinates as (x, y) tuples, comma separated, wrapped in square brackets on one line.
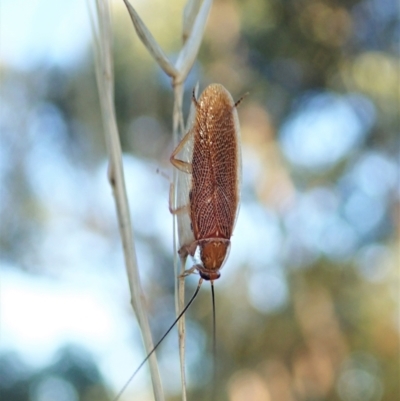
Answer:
[(209, 188), (213, 165)]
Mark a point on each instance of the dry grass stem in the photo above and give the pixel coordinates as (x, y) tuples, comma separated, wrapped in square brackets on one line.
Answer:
[(190, 49), (189, 15), (148, 40), (102, 35)]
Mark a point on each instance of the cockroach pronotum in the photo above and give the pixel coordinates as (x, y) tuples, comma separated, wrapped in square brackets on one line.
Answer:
[(210, 194)]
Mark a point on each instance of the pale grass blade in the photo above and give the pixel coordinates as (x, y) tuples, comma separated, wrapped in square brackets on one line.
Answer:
[(189, 15), (148, 40), (190, 49)]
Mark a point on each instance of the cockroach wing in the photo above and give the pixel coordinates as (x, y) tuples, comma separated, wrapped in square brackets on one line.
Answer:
[(216, 165), (183, 187), (239, 161), (184, 184)]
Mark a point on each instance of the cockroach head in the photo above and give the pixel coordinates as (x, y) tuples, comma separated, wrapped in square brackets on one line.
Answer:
[(208, 275)]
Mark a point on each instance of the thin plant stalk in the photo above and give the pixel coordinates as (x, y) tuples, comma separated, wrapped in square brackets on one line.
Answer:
[(102, 35), (178, 131)]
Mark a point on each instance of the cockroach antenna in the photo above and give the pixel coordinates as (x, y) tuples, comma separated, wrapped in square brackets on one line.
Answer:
[(159, 341), (240, 100)]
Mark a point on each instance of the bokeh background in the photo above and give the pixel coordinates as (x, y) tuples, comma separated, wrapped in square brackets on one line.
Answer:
[(308, 302)]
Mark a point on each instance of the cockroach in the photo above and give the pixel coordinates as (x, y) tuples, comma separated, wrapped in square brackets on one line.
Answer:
[(209, 194), (214, 167)]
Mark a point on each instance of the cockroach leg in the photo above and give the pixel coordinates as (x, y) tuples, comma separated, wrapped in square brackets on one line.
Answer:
[(188, 272), (188, 249), (179, 209), (180, 164)]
